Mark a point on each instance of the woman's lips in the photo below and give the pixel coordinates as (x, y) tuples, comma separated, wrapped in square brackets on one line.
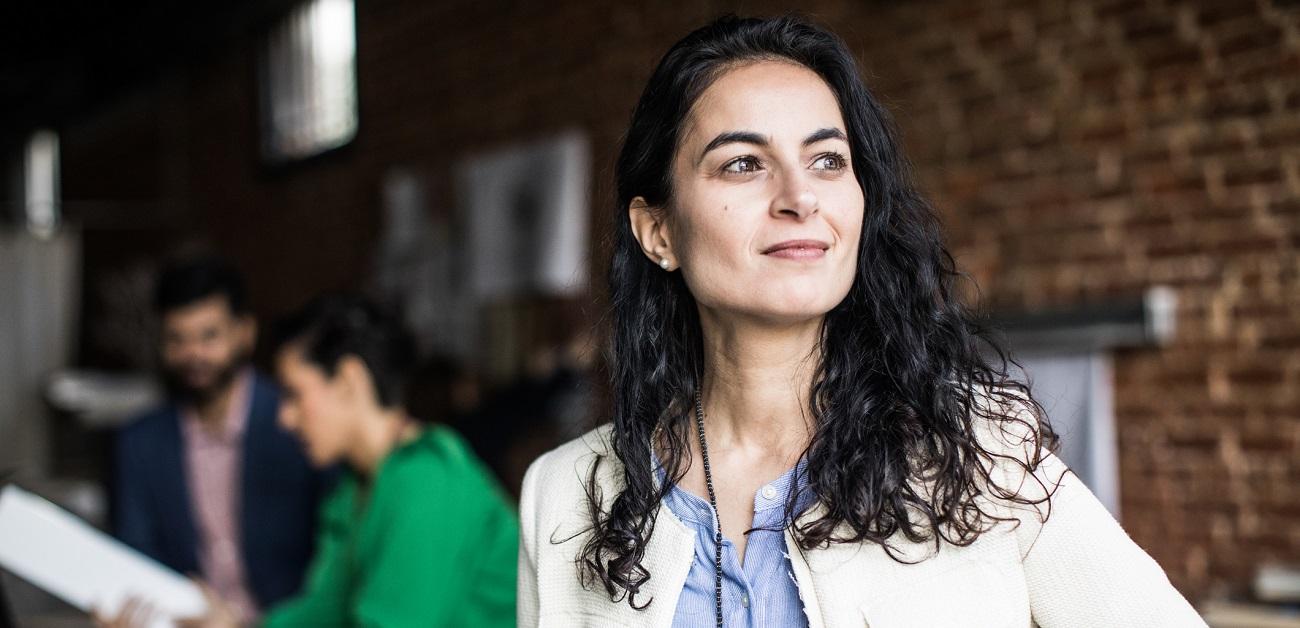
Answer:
[(798, 249)]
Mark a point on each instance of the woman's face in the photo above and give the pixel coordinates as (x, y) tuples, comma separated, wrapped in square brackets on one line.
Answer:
[(766, 213), (314, 407)]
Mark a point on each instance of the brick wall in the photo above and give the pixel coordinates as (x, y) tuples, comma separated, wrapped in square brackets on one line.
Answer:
[(1078, 151), (1084, 150)]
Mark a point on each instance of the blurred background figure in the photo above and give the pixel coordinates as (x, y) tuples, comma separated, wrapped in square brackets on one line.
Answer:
[(208, 483), (418, 532), (1119, 176)]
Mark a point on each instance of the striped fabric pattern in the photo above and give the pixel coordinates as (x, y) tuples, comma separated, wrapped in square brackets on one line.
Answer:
[(762, 591)]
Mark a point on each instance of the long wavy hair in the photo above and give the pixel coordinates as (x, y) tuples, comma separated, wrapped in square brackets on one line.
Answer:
[(901, 363)]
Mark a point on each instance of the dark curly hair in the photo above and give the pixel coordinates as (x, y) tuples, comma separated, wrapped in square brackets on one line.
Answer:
[(904, 373)]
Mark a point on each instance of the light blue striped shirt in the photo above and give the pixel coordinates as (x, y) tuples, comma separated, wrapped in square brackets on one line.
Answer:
[(762, 592)]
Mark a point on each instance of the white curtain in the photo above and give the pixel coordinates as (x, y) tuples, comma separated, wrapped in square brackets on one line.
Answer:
[(39, 290)]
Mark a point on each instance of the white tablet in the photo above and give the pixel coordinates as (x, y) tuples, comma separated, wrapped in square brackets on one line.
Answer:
[(58, 552)]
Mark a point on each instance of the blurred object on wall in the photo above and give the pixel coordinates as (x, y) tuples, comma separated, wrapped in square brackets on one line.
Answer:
[(121, 331), (41, 183), (420, 268), (39, 278), (1238, 615), (1146, 320), (1279, 584), (102, 399), (1066, 355), (309, 82), (526, 208), (525, 213)]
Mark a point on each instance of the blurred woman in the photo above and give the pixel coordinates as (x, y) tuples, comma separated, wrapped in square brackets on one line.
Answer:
[(416, 533), (806, 429)]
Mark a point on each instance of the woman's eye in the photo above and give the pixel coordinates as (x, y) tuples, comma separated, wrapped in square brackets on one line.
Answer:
[(830, 161), (741, 165)]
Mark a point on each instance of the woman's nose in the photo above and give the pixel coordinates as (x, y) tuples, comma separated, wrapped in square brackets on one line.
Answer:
[(795, 199)]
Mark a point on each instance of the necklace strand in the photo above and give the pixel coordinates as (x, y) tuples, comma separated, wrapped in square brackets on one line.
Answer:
[(713, 501)]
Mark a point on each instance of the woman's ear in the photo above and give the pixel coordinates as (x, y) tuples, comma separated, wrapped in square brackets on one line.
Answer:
[(354, 379), (650, 228)]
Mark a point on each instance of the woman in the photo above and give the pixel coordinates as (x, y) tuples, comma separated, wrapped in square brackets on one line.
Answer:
[(806, 431), (416, 533)]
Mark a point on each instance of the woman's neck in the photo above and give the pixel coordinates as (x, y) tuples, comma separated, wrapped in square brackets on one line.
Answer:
[(757, 380), (380, 431)]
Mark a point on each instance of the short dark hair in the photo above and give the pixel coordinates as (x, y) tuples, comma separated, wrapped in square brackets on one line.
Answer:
[(192, 280), (333, 326)]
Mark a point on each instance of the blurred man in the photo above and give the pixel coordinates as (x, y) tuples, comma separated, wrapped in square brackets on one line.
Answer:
[(208, 484)]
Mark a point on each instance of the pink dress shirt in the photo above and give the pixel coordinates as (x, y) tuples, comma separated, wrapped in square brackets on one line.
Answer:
[(213, 468)]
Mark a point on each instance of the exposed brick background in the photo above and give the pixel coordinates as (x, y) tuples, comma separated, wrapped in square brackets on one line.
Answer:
[(1078, 151), (1084, 150)]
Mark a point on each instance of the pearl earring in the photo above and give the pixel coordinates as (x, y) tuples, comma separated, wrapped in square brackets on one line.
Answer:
[(663, 263)]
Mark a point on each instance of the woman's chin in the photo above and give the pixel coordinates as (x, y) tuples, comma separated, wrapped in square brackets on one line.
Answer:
[(788, 315), (793, 307), (320, 459)]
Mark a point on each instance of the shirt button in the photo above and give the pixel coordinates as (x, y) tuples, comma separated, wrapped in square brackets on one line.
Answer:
[(769, 492), (744, 600)]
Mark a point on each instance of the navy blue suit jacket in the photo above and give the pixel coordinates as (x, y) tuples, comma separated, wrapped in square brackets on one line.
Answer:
[(280, 492)]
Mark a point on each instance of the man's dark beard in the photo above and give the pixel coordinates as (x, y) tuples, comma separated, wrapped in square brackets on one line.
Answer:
[(186, 394)]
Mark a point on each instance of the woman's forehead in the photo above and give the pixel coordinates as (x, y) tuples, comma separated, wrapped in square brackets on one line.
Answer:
[(775, 99)]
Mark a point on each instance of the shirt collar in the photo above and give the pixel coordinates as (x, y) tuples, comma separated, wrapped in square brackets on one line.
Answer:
[(695, 509), (236, 419)]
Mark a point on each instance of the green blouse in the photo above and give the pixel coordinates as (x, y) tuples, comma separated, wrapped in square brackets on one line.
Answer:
[(434, 544)]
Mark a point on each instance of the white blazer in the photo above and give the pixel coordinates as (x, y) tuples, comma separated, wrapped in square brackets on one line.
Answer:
[(1078, 570)]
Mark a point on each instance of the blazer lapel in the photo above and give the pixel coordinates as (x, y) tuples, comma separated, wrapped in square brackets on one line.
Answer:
[(174, 492), (260, 421), (804, 580), (842, 583), (668, 557)]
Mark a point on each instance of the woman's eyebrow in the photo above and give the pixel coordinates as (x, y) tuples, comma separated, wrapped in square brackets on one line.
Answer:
[(734, 137), (828, 133)]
